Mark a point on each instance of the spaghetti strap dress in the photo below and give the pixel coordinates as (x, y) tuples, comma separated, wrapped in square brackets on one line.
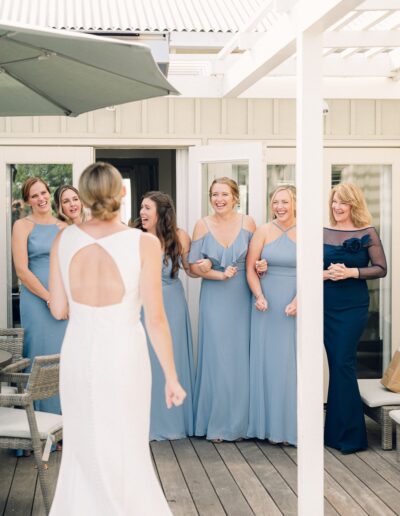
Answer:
[(43, 334), (346, 305), (176, 422), (221, 395), (273, 375)]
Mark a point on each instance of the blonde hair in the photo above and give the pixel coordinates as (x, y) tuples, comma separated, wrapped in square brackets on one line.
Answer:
[(351, 194), (100, 188), (292, 193), (226, 181)]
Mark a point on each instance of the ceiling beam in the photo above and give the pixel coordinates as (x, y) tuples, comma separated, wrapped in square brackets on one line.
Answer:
[(285, 88), (362, 39), (378, 5), (279, 43), (336, 66)]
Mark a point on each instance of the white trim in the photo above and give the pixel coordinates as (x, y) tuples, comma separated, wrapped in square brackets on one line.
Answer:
[(80, 157)]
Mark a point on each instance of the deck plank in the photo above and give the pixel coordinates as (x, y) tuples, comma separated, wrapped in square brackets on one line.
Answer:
[(382, 489), (363, 495), (202, 491), (382, 466), (174, 485), (336, 500), (236, 479), (22, 491), (224, 484), (273, 482), (257, 497), (8, 464)]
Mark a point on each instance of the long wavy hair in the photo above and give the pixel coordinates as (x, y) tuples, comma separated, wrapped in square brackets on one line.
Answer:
[(166, 228), (351, 194)]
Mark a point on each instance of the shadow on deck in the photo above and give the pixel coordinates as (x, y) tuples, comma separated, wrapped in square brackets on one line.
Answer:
[(244, 478)]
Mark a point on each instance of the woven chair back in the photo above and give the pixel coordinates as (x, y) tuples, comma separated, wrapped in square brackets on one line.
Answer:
[(12, 340), (44, 377)]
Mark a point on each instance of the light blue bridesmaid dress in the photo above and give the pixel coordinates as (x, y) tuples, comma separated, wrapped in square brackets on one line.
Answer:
[(43, 333), (221, 396), (273, 377), (176, 422)]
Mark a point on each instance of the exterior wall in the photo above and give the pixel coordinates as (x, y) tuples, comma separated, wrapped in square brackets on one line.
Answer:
[(210, 119)]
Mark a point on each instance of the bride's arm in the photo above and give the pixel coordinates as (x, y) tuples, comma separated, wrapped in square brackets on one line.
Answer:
[(156, 320), (58, 303)]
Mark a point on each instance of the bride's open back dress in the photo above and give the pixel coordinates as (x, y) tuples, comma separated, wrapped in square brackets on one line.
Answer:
[(105, 382)]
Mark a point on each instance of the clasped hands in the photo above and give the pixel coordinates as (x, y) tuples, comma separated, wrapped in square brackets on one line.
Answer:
[(337, 272)]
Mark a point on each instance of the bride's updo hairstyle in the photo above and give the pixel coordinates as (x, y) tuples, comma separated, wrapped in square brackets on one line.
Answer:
[(100, 187)]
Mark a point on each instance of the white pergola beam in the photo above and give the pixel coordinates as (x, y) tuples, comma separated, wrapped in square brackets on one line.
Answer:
[(285, 88), (362, 39), (335, 66), (310, 213), (378, 5), (280, 41), (249, 26)]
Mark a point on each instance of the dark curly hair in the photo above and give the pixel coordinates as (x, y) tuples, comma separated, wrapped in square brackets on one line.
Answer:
[(166, 228)]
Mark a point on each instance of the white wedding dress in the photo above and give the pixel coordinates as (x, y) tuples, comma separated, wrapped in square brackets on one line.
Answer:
[(105, 390)]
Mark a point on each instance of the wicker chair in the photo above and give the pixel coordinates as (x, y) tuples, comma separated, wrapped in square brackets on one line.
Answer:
[(12, 340), (27, 429), (395, 415), (378, 402)]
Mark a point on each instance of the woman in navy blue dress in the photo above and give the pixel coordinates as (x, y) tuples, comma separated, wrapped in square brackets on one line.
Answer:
[(353, 253), (221, 395)]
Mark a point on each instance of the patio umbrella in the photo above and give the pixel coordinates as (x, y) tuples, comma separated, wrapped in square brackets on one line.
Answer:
[(55, 72)]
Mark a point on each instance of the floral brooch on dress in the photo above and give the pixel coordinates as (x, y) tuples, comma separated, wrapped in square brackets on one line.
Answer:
[(353, 245)]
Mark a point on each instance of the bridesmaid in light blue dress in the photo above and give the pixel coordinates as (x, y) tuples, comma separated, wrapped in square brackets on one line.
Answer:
[(273, 396), (157, 216), (222, 382), (32, 240)]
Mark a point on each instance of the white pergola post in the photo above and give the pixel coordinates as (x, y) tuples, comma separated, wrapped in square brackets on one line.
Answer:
[(309, 273)]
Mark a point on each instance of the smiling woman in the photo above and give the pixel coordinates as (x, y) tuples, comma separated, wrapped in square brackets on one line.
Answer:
[(31, 243), (221, 401), (68, 205)]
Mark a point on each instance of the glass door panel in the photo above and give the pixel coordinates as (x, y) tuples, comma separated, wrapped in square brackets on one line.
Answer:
[(375, 181), (372, 170), (238, 171), (57, 165), (55, 175)]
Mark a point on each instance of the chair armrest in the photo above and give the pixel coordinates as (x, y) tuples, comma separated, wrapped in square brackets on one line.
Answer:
[(12, 400), (15, 367), (18, 378)]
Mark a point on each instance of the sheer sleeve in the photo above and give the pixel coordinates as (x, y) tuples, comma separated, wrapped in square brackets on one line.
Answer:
[(377, 267)]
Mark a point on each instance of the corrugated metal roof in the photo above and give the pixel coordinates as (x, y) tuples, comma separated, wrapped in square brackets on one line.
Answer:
[(133, 15)]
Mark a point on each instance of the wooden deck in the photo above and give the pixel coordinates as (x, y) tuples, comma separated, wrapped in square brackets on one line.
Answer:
[(237, 479)]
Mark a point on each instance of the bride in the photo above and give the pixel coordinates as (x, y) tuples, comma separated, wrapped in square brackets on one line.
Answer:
[(100, 274)]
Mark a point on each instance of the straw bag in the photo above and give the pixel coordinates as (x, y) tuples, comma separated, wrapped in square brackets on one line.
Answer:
[(391, 378)]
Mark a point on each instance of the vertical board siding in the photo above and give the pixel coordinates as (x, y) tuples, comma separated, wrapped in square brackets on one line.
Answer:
[(214, 119)]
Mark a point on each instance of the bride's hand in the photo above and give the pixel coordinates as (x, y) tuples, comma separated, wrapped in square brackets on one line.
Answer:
[(174, 393)]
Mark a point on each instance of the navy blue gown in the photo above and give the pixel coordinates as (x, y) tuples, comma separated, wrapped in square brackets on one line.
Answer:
[(346, 305)]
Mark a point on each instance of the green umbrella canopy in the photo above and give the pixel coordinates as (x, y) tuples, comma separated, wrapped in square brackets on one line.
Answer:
[(56, 72)]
